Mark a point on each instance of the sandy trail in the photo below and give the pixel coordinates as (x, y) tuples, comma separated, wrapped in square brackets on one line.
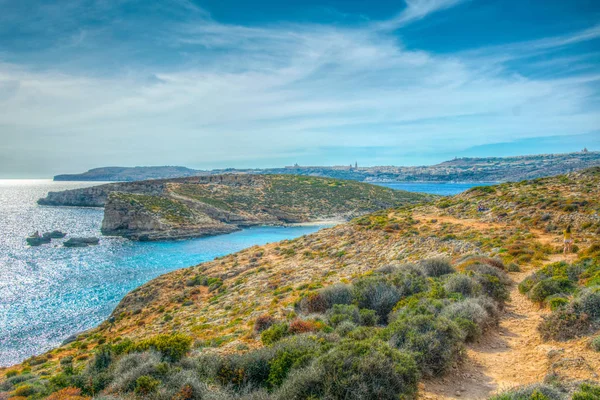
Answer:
[(514, 354)]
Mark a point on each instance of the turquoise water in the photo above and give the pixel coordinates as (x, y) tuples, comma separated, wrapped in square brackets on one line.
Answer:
[(49, 293), (443, 189)]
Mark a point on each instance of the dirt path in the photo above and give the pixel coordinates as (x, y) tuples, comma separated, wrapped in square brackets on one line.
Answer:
[(512, 355)]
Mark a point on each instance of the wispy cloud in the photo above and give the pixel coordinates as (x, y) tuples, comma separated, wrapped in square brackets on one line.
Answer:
[(416, 10)]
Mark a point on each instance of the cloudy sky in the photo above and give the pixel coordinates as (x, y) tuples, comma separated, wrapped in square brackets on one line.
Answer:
[(218, 83)]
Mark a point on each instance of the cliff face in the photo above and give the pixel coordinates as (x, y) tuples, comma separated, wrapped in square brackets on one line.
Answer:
[(209, 205), (97, 196), (130, 216)]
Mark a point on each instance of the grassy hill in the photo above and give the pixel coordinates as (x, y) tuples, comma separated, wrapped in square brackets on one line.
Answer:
[(418, 293)]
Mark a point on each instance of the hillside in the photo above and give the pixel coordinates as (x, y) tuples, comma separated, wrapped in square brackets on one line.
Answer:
[(127, 174), (200, 206), (487, 169), (421, 292)]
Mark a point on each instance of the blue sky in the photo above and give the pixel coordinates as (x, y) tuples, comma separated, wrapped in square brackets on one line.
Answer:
[(223, 83)]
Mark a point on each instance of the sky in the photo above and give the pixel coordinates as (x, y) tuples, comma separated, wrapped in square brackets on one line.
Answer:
[(266, 83)]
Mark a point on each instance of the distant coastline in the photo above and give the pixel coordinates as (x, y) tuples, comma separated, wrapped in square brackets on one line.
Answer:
[(458, 170)]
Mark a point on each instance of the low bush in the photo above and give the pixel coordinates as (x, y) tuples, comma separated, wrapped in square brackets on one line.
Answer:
[(263, 322), (341, 312), (345, 327), (144, 385), (595, 343), (548, 287), (246, 370), (368, 317), (132, 366), (531, 392), (471, 317), (587, 392), (459, 283), (275, 333), (376, 293), (337, 294), (367, 370), (564, 324), (493, 282), (409, 280), (171, 347), (302, 384), (435, 267), (556, 302), (434, 341), (588, 302), (313, 303)]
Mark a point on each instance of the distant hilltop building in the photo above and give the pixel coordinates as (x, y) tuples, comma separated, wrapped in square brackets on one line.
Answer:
[(324, 167)]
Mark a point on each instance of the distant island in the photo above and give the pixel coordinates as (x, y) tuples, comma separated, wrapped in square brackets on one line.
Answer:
[(487, 169), (211, 205)]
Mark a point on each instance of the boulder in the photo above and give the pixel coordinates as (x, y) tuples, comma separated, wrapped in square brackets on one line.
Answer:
[(54, 235), (81, 242), (37, 240)]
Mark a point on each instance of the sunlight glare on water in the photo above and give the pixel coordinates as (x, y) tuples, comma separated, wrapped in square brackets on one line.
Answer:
[(49, 293)]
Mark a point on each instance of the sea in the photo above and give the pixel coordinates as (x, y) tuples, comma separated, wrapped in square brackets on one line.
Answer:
[(51, 292)]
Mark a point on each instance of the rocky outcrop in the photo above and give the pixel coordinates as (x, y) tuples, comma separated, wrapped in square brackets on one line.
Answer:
[(130, 217), (210, 205), (96, 196), (81, 242)]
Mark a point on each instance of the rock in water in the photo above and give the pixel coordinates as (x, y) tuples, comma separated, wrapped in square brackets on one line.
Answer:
[(81, 242), (37, 240), (54, 235)]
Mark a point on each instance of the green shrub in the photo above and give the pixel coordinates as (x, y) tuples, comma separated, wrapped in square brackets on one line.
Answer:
[(531, 392), (548, 287), (337, 294), (368, 317), (367, 370), (295, 352), (435, 267), (494, 283), (144, 385), (345, 327), (556, 302), (409, 280), (434, 341), (11, 373), (595, 343), (341, 312), (459, 283), (102, 358), (470, 316), (246, 370), (564, 324), (376, 293), (588, 302), (275, 333), (132, 366), (172, 347), (25, 390), (587, 392), (302, 384)]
